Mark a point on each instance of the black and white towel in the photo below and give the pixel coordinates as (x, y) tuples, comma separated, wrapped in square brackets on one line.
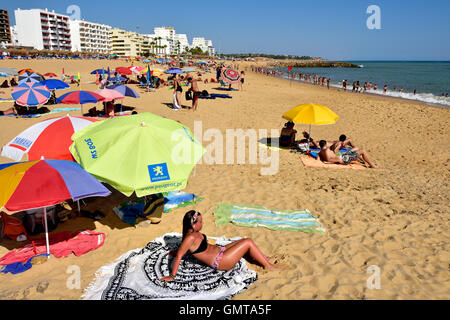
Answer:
[(134, 275)]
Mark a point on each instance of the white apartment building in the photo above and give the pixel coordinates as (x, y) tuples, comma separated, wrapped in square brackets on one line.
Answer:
[(14, 40), (90, 37), (205, 45), (42, 29), (181, 43)]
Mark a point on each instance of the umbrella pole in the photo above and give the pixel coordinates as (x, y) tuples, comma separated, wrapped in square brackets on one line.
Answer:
[(79, 210), (46, 233)]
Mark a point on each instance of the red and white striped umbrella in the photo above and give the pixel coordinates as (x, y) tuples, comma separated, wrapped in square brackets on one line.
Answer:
[(50, 139)]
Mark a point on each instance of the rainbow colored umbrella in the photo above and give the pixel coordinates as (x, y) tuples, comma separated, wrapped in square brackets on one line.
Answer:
[(230, 76), (30, 94), (42, 183), (50, 139)]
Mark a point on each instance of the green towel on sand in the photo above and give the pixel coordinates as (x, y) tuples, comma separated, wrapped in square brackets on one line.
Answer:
[(250, 216)]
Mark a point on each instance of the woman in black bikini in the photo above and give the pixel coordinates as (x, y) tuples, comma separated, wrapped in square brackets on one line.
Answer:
[(219, 258)]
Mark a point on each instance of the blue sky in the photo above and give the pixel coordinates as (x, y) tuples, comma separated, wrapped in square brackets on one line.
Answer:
[(332, 29)]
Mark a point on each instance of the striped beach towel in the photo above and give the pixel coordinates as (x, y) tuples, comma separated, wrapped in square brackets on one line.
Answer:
[(251, 216)]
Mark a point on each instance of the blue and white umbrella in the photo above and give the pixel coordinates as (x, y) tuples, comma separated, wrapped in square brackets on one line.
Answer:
[(55, 84)]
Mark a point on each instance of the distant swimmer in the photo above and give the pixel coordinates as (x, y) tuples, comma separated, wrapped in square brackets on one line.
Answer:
[(344, 85), (401, 90), (385, 88), (415, 91), (375, 87)]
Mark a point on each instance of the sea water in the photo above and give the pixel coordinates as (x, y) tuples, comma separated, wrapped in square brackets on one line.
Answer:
[(431, 79)]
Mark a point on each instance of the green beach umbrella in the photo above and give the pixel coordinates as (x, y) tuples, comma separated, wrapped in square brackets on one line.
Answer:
[(142, 153)]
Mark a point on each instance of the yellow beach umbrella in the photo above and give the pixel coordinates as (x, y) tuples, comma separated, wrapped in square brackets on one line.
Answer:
[(311, 114)]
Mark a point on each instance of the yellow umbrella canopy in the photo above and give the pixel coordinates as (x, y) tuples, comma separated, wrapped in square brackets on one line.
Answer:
[(311, 114)]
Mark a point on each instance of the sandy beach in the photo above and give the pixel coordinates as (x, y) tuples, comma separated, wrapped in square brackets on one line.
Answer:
[(395, 217)]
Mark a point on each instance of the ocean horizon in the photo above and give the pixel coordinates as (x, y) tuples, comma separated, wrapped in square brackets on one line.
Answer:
[(431, 79)]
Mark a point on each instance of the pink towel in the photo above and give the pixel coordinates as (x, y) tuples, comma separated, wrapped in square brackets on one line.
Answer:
[(61, 245)]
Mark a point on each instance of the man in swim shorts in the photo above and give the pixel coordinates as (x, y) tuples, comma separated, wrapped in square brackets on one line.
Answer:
[(195, 92), (328, 155)]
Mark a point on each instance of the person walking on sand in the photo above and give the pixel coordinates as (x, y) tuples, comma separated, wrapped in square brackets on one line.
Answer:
[(217, 257), (177, 90), (241, 83), (195, 92), (328, 83)]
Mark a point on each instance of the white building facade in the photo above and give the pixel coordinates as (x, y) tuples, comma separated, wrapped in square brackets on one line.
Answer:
[(90, 37), (205, 45), (42, 29)]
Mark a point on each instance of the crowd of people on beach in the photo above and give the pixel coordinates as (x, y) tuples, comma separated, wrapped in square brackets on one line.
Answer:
[(325, 81)]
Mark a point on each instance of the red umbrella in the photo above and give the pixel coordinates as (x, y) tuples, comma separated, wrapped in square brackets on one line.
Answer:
[(50, 74), (124, 70), (50, 139)]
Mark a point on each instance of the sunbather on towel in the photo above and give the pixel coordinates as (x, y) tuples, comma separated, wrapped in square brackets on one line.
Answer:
[(328, 155), (219, 258), (343, 143)]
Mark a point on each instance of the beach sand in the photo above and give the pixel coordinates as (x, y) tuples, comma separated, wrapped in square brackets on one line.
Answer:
[(395, 217)]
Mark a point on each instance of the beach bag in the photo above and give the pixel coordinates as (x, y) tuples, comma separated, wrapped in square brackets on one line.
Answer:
[(205, 93), (188, 95), (303, 147), (13, 228), (34, 220)]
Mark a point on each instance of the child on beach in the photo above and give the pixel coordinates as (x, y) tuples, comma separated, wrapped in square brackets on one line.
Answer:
[(219, 258)]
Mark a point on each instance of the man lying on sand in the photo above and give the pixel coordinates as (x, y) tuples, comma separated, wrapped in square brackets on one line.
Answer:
[(328, 155), (343, 143)]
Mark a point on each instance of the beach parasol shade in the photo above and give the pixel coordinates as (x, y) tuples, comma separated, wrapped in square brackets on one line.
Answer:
[(22, 71), (311, 114), (142, 153), (55, 84), (50, 74), (109, 94), (30, 94), (42, 183), (230, 76), (173, 70), (114, 78), (99, 71), (79, 97), (136, 69), (30, 77), (124, 70), (50, 139), (124, 90)]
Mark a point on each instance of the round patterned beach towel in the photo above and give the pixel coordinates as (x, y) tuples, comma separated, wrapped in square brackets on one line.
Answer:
[(134, 276)]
